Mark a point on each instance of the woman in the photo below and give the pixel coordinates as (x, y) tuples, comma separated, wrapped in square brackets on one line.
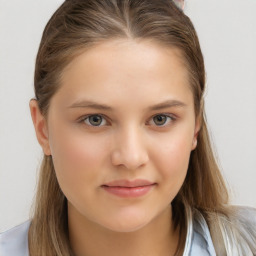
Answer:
[(119, 113)]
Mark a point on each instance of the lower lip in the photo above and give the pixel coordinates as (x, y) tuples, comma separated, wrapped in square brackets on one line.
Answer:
[(126, 192)]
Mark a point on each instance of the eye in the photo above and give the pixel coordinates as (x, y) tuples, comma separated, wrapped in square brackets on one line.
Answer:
[(162, 119), (94, 120), (97, 120)]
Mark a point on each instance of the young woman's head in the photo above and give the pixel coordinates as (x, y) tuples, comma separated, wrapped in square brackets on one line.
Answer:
[(119, 102)]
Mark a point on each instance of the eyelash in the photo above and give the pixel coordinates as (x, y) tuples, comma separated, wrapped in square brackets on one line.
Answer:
[(83, 119)]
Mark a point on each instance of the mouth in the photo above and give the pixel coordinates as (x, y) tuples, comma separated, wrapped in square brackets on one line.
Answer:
[(129, 189)]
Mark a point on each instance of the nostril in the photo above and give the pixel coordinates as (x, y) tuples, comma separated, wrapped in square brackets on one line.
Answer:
[(129, 149), (130, 160)]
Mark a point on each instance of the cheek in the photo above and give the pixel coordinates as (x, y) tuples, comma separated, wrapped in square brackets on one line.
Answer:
[(79, 162), (76, 148), (77, 158), (173, 157), (173, 168)]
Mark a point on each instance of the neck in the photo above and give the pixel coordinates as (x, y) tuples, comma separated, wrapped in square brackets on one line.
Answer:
[(88, 238)]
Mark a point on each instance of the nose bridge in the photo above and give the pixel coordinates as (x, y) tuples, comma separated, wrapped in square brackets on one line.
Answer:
[(130, 148)]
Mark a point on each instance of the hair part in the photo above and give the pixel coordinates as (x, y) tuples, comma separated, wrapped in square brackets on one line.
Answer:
[(78, 25)]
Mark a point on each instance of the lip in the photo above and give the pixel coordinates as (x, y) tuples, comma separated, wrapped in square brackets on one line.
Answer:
[(126, 188), (128, 183)]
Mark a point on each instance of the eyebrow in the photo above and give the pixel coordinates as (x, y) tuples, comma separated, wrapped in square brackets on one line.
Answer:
[(168, 104), (95, 105)]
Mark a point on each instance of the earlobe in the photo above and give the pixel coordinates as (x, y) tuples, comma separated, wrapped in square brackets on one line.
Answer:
[(194, 144), (40, 126), (197, 129)]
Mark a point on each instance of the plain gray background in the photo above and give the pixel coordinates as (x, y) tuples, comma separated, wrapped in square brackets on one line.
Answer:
[(227, 32)]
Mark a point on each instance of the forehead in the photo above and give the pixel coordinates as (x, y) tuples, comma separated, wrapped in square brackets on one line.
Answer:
[(126, 68), (142, 54)]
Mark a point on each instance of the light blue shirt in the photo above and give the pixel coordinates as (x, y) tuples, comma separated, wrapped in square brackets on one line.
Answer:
[(14, 242)]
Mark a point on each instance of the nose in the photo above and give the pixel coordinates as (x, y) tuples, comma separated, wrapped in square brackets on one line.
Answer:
[(130, 149)]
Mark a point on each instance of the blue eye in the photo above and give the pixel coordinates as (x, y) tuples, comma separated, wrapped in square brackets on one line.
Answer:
[(94, 120)]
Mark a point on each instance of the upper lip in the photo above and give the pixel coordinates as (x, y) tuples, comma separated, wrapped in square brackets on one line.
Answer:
[(128, 183)]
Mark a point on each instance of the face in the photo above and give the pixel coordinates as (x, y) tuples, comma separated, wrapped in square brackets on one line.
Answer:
[(120, 131)]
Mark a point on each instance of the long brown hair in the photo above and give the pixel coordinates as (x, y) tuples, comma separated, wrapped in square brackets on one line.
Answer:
[(75, 27)]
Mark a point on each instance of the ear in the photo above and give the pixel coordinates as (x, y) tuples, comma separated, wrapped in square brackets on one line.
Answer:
[(40, 126), (196, 132), (180, 4)]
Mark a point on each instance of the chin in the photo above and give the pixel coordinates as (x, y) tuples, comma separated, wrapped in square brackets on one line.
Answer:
[(125, 225)]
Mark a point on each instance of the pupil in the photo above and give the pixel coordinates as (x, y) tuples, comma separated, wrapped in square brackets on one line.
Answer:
[(95, 120), (160, 119)]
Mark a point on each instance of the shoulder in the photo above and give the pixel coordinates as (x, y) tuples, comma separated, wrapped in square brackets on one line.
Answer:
[(245, 215), (233, 232), (198, 239), (244, 218), (240, 226), (202, 243), (15, 241)]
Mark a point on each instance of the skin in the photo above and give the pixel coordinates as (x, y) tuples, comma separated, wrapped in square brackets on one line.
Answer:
[(129, 76)]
